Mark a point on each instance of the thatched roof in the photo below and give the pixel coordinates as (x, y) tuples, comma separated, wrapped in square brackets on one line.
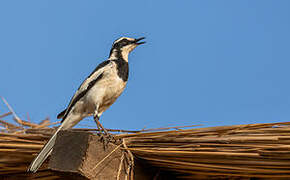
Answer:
[(254, 150)]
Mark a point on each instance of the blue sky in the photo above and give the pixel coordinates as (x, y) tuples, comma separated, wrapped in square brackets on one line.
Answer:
[(205, 62)]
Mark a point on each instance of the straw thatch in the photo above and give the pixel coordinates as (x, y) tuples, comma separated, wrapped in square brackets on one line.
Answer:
[(239, 151), (255, 150)]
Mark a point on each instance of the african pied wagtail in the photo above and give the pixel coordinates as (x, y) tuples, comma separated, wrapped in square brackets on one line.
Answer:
[(96, 94)]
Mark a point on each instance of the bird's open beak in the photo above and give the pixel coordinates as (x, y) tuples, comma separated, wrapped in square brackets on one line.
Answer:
[(139, 39)]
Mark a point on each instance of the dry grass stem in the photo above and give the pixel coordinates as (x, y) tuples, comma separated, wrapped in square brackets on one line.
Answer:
[(255, 150)]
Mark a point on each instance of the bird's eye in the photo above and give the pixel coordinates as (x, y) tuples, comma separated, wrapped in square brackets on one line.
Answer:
[(124, 43)]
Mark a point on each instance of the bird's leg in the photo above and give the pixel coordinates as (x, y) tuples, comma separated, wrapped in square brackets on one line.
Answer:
[(105, 137), (99, 128), (99, 125), (102, 137), (109, 136)]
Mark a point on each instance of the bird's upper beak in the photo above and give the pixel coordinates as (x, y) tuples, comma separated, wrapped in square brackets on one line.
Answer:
[(139, 39)]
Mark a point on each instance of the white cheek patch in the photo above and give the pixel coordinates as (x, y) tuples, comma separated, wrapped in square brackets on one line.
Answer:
[(129, 48), (126, 50), (132, 47)]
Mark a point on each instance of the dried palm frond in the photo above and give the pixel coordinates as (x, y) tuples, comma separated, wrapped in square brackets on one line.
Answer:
[(254, 150)]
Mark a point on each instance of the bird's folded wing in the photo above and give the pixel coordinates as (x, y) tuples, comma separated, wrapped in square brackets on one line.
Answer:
[(85, 86)]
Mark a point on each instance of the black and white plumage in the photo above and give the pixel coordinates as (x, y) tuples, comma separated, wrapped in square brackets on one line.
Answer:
[(96, 94)]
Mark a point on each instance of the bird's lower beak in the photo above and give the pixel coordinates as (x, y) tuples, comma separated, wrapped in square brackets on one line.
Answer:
[(139, 39)]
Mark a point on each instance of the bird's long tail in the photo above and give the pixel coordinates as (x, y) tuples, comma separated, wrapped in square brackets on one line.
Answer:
[(47, 149), (44, 153)]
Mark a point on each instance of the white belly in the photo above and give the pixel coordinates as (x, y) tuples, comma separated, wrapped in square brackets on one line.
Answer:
[(105, 92)]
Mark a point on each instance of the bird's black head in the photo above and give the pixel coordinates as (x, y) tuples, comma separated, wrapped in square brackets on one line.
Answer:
[(124, 45)]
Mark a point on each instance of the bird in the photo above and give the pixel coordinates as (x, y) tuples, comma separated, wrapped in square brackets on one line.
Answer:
[(95, 95)]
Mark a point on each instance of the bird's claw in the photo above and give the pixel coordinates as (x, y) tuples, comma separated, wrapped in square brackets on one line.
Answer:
[(106, 139)]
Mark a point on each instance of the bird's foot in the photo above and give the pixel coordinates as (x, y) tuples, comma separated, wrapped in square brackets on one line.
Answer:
[(106, 138)]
